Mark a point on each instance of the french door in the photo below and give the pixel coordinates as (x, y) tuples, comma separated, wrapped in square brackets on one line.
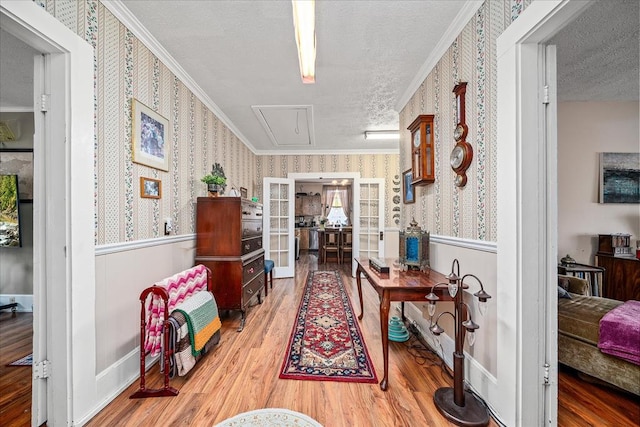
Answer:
[(278, 230), (279, 208), (371, 218)]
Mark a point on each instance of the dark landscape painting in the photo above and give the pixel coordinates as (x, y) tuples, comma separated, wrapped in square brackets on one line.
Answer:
[(619, 177)]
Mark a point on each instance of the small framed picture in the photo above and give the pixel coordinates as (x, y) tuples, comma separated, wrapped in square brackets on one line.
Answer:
[(149, 136), (150, 188), (243, 192), (407, 187)]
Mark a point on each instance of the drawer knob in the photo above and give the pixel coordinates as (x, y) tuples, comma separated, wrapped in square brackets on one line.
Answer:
[(249, 291), (251, 270), (247, 246)]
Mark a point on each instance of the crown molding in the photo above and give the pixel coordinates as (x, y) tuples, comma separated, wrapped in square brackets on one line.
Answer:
[(456, 27), (308, 152), (124, 15)]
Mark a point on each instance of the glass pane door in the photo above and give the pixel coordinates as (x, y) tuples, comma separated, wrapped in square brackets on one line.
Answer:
[(371, 243), (278, 230)]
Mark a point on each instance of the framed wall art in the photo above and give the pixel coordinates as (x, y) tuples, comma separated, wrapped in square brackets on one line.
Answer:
[(619, 177), (19, 161), (243, 192), (150, 188), (149, 136), (408, 190)]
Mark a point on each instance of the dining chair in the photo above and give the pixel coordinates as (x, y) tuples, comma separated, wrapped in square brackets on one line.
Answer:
[(346, 244), (331, 244)]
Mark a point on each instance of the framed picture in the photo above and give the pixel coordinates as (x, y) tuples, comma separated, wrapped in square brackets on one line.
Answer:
[(619, 177), (149, 136), (407, 187), (243, 192), (150, 188), (19, 161)]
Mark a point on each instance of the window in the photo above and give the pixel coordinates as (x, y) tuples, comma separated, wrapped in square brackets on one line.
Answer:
[(336, 213)]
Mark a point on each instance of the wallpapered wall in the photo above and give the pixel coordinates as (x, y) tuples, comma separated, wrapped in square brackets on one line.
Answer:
[(443, 208), (125, 69), (369, 165)]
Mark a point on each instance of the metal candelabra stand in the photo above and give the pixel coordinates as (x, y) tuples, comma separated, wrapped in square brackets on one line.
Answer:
[(456, 404)]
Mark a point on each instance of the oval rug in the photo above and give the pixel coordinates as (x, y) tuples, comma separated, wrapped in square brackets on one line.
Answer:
[(272, 417)]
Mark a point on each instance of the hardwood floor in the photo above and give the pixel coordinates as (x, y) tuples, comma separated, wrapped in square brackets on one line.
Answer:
[(16, 334), (241, 374)]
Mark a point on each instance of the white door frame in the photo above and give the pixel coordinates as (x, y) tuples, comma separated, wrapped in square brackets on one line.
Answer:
[(355, 211), (63, 210), (526, 258)]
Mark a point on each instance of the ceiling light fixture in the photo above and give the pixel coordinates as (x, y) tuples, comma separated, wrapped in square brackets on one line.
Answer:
[(305, 31), (382, 134)]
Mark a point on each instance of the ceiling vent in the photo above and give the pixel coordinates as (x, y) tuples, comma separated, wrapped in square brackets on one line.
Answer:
[(287, 125), (9, 130)]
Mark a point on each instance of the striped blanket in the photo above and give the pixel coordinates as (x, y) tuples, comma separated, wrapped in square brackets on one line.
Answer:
[(179, 287), (201, 312), (182, 360)]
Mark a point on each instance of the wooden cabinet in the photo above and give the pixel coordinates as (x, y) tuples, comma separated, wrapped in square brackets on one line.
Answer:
[(621, 277), (229, 242), (304, 239), (308, 205)]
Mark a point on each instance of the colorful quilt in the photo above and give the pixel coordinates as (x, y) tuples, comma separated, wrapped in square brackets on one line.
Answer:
[(179, 287), (201, 312)]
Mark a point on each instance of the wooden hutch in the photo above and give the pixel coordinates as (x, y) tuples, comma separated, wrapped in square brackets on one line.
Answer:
[(229, 242)]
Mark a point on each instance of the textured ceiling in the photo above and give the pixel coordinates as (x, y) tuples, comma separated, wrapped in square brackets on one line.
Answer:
[(242, 54), (599, 53)]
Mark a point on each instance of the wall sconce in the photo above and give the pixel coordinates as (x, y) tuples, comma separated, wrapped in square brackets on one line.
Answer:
[(454, 403)]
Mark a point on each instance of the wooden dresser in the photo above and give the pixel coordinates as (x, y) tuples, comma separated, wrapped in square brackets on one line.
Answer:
[(621, 277), (229, 242)]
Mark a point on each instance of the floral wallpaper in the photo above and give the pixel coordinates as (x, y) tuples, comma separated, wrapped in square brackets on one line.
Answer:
[(444, 209), (124, 69), (369, 165)]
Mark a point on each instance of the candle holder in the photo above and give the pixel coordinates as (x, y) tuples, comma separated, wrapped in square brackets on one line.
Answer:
[(454, 403)]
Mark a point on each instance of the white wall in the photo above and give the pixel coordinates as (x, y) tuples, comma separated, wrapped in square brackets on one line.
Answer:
[(586, 129)]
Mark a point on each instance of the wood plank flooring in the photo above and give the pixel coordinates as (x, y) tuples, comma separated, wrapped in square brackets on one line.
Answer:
[(241, 374)]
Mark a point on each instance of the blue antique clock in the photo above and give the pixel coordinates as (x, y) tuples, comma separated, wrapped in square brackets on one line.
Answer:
[(414, 248)]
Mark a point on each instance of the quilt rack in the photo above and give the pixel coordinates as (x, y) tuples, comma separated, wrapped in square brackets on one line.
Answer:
[(161, 292)]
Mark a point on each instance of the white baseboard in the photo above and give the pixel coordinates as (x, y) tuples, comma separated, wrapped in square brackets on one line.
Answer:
[(116, 379), (25, 302)]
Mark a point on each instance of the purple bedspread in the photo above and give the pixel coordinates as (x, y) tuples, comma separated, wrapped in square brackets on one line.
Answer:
[(620, 332)]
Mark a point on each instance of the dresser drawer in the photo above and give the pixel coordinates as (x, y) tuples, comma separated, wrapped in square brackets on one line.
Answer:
[(251, 228), (251, 245), (251, 210), (252, 289), (251, 269)]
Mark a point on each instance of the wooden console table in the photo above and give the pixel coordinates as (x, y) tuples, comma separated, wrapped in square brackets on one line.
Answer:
[(397, 285)]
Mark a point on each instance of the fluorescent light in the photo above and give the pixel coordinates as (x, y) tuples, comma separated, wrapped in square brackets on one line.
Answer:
[(304, 17), (382, 134)]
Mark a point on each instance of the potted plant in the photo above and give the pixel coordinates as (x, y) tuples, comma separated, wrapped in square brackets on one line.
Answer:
[(216, 180)]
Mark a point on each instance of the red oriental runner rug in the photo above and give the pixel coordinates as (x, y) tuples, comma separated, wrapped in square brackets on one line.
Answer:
[(326, 343)]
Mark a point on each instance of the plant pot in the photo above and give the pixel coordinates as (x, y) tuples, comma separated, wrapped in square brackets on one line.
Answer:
[(214, 190)]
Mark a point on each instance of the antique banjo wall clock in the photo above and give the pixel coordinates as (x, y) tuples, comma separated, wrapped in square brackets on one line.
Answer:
[(462, 152), (422, 150)]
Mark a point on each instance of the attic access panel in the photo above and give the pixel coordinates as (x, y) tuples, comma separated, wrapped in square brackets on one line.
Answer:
[(287, 125)]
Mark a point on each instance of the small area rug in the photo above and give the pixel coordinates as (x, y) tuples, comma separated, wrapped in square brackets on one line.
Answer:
[(272, 417), (326, 343), (25, 361)]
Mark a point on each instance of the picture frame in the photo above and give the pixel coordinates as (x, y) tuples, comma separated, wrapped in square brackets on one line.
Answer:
[(619, 178), (408, 189), (19, 161), (243, 192), (150, 188), (149, 137)]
